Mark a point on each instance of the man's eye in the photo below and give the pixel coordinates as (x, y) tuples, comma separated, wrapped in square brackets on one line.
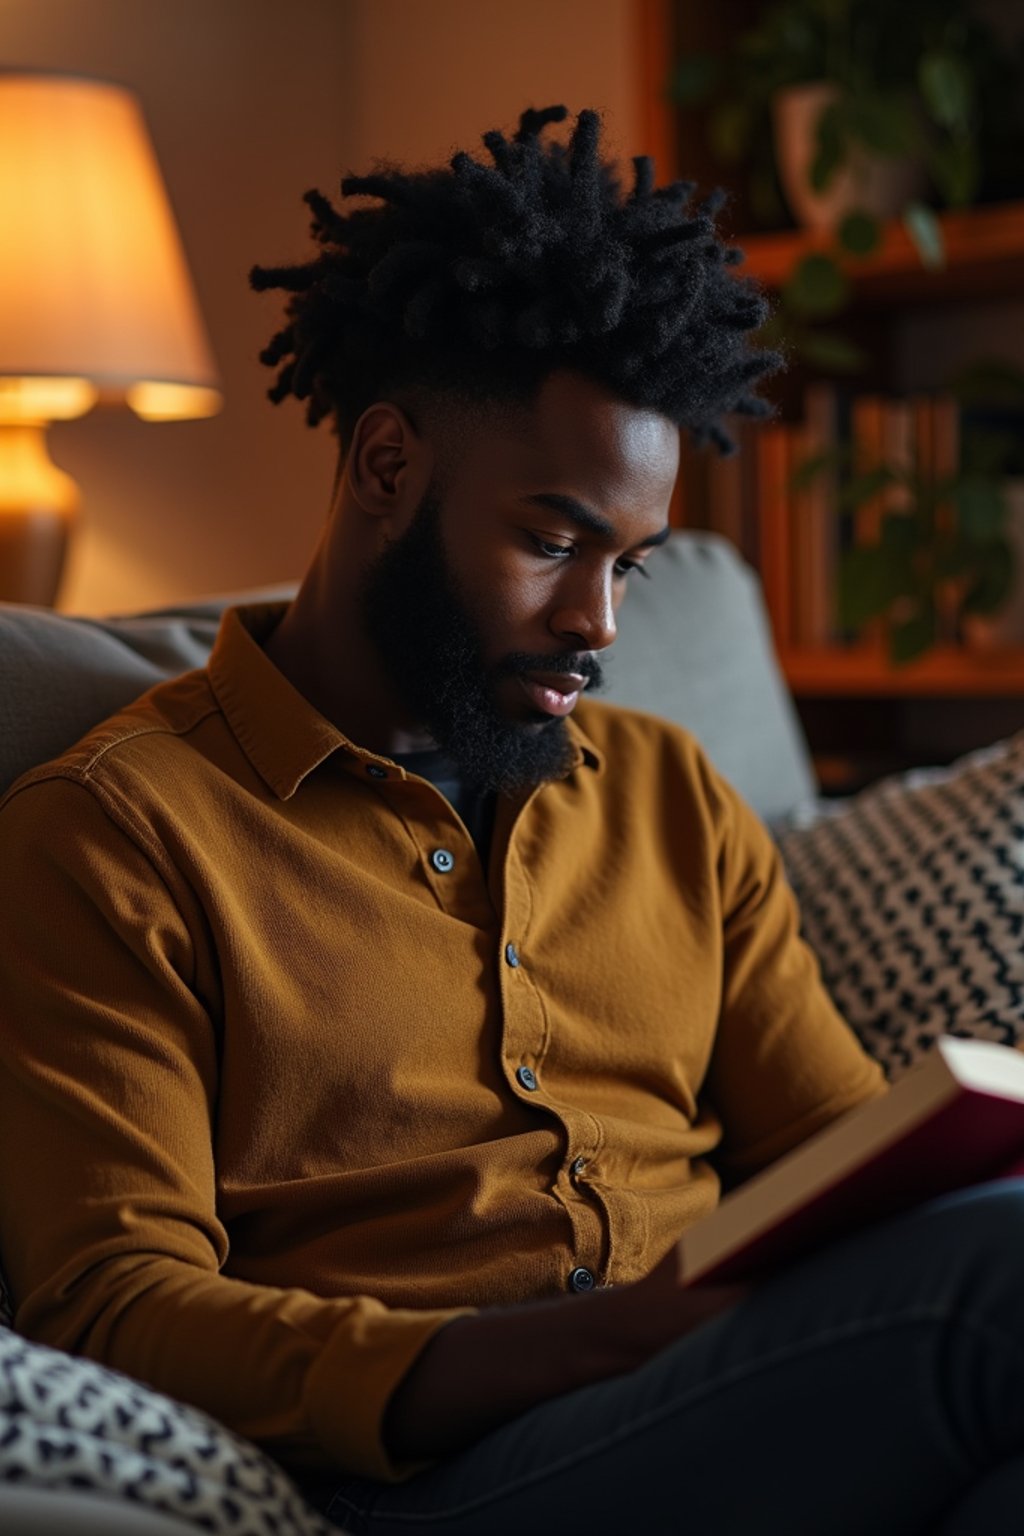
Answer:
[(624, 567), (550, 550)]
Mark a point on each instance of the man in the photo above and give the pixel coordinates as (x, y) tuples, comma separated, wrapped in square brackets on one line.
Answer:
[(377, 1013)]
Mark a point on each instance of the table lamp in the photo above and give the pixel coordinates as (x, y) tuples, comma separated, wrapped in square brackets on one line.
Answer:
[(96, 302)]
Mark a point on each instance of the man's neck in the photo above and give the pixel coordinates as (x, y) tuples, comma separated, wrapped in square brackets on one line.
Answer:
[(321, 649)]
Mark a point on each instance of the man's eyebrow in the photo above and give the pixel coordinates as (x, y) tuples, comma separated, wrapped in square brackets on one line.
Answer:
[(585, 517)]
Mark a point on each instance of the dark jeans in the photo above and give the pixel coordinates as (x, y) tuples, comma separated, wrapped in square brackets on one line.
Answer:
[(877, 1388)]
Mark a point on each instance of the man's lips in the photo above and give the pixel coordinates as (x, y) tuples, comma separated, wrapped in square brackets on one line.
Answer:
[(553, 693)]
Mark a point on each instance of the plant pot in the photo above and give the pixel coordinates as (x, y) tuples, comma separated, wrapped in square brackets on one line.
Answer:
[(877, 184)]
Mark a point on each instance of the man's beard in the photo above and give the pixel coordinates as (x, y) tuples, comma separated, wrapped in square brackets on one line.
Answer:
[(415, 614)]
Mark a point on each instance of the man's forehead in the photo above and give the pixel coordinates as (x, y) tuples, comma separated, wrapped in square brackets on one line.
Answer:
[(577, 434)]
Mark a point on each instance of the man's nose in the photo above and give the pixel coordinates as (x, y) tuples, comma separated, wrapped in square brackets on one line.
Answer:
[(586, 616)]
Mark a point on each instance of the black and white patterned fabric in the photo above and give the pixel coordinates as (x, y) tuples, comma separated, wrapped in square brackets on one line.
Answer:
[(71, 1424), (912, 897)]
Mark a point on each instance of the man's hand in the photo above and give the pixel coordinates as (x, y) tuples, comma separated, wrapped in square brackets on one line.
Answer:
[(479, 1372)]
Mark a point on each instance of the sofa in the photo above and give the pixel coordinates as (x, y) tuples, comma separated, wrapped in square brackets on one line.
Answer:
[(911, 895)]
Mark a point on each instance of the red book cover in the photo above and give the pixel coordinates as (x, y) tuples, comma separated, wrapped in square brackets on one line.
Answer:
[(956, 1120)]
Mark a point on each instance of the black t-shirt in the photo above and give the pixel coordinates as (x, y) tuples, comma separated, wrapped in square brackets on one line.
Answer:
[(474, 805)]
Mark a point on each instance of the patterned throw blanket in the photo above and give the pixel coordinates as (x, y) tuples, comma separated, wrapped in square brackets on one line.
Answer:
[(71, 1424)]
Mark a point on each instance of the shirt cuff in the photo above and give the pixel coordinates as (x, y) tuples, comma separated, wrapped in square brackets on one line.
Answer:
[(350, 1385)]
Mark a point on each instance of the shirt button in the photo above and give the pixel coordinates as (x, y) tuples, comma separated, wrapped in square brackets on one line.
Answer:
[(527, 1079), (376, 771), (511, 955), (578, 1166), (442, 860), (581, 1280)]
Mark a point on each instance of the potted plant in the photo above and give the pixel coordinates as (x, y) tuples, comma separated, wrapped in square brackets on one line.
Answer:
[(949, 559), (853, 106)]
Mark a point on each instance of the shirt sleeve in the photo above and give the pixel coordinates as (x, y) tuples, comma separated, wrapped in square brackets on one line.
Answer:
[(111, 1240), (785, 1063)]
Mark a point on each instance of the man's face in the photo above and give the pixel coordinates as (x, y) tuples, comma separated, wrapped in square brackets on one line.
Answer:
[(491, 608)]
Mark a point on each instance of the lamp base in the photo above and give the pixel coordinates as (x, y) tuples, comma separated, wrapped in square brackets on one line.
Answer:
[(38, 507)]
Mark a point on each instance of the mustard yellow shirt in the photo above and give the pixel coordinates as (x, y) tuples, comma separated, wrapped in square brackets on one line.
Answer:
[(282, 1091)]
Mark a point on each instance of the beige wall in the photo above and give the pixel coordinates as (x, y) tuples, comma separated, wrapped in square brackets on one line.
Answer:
[(250, 102)]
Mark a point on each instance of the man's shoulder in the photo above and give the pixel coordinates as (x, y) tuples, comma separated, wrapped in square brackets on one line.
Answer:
[(132, 743)]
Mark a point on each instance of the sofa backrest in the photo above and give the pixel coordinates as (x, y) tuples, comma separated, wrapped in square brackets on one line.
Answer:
[(694, 646)]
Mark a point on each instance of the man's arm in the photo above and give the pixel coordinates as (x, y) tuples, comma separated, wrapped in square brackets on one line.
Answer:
[(109, 1081), (480, 1372)]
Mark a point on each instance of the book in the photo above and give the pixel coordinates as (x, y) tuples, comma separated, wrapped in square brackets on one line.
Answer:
[(956, 1119), (774, 458), (725, 496), (867, 429), (816, 522)]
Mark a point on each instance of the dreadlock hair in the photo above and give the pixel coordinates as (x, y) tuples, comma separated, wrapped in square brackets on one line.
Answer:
[(479, 280)]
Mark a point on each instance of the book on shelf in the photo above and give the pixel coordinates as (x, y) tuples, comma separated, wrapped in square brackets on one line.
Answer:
[(956, 1119), (732, 491), (867, 442), (774, 469), (796, 529), (815, 522)]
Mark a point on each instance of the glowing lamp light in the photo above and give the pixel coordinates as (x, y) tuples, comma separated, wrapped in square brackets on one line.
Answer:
[(95, 301)]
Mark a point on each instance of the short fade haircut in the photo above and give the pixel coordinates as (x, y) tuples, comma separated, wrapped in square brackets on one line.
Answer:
[(477, 281)]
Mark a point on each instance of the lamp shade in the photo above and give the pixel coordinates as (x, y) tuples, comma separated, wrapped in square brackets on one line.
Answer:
[(93, 278)]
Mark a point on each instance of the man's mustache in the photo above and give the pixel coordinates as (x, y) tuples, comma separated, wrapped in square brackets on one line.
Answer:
[(584, 663)]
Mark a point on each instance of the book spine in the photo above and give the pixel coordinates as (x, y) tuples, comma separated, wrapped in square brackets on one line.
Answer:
[(867, 427), (816, 523), (773, 460)]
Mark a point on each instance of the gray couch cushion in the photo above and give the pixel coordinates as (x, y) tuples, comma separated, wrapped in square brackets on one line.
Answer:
[(694, 646), (60, 676)]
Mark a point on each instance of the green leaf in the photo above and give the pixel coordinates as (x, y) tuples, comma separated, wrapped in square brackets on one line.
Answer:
[(694, 78), (808, 470), (946, 87), (885, 123), (993, 582), (864, 487), (981, 508), (831, 352), (925, 231), (730, 127), (817, 287), (899, 533), (911, 638), (955, 168), (859, 233), (860, 589), (869, 581), (829, 146)]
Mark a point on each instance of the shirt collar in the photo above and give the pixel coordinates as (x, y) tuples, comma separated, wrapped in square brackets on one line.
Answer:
[(279, 731), (587, 755)]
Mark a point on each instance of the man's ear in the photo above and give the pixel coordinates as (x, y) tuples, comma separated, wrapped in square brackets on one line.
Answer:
[(388, 464)]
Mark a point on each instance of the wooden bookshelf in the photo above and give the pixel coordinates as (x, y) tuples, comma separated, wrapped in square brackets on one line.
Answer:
[(866, 672), (862, 714), (984, 259)]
